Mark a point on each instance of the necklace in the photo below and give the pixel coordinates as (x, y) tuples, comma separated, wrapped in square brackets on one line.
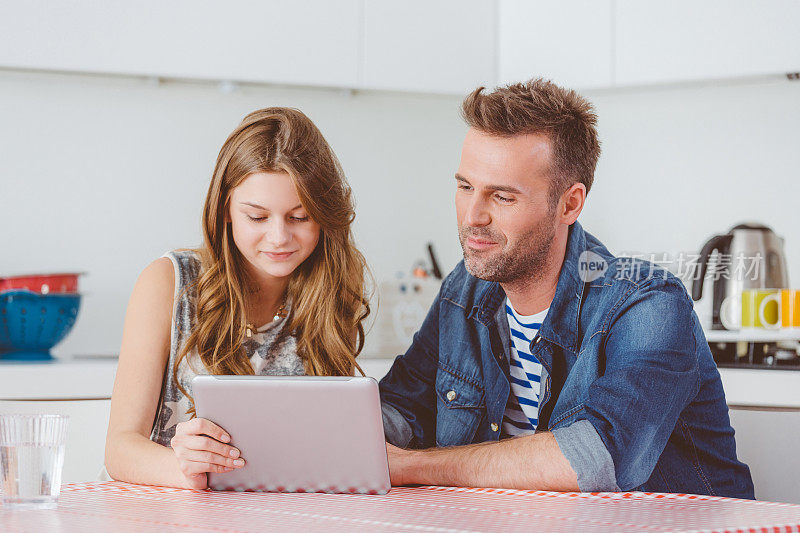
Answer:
[(250, 329)]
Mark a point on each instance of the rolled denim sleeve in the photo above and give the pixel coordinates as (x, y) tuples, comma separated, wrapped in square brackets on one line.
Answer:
[(395, 427), (650, 376), (588, 456)]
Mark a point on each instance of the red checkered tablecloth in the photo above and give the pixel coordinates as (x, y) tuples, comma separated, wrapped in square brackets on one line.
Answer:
[(123, 507)]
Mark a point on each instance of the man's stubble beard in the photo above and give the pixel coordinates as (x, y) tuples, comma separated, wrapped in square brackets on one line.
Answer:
[(523, 264)]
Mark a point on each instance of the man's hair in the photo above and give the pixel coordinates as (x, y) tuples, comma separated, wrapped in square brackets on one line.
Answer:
[(540, 106)]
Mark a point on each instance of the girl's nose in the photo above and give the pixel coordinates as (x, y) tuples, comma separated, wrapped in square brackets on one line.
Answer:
[(278, 233)]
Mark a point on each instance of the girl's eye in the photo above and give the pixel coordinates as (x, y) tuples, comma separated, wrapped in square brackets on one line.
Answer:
[(293, 219)]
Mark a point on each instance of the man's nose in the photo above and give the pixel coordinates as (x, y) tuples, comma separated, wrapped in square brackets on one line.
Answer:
[(477, 214)]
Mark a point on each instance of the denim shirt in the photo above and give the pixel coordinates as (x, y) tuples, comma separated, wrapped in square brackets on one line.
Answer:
[(630, 390)]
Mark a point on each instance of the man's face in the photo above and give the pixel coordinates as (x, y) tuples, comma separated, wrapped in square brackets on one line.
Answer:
[(506, 224)]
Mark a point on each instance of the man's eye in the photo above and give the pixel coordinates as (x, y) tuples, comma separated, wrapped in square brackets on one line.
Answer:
[(464, 187), (504, 199), (256, 219)]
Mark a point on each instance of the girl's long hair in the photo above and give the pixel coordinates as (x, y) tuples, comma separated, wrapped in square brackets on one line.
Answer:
[(328, 291)]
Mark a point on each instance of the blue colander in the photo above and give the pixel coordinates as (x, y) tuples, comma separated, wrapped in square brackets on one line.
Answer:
[(32, 323)]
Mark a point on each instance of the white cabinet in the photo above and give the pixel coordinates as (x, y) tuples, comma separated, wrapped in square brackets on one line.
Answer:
[(443, 46), (765, 413), (569, 42), (432, 46), (78, 388), (685, 40), (309, 42), (86, 433), (767, 441)]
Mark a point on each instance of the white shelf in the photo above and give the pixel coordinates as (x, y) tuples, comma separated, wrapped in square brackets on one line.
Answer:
[(82, 379), (79, 379), (60, 379), (745, 387), (753, 335)]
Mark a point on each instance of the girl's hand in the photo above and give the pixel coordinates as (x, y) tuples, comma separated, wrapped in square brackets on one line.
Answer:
[(199, 447)]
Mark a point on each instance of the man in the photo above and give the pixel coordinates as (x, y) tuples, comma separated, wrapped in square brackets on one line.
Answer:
[(546, 362)]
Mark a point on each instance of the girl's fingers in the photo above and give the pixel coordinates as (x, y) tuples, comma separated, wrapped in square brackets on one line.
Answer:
[(201, 442), (202, 456), (206, 427), (196, 481), (191, 468)]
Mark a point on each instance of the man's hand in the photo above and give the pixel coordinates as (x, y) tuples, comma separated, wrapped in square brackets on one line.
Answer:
[(532, 462), (398, 461)]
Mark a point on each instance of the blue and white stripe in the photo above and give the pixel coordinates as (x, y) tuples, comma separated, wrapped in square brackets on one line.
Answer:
[(525, 372)]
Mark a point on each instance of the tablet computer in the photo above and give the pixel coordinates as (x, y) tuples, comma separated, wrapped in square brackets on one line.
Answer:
[(298, 433)]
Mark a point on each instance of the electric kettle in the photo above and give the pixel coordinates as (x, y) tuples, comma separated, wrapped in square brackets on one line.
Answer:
[(749, 256)]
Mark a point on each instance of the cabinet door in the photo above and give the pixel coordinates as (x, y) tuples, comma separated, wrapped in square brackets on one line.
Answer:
[(766, 440), (439, 46), (688, 40), (86, 433), (569, 42), (312, 42)]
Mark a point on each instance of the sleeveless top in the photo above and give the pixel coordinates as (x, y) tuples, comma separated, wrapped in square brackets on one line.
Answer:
[(272, 351)]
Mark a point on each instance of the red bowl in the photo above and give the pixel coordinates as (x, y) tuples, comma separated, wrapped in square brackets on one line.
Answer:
[(42, 283)]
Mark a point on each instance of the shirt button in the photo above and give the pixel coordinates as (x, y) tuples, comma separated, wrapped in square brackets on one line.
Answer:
[(495, 427), (451, 395)]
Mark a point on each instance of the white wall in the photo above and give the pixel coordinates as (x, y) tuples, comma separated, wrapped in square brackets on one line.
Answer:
[(105, 174), (681, 163)]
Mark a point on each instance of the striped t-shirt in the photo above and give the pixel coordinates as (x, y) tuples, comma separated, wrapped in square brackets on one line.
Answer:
[(522, 410)]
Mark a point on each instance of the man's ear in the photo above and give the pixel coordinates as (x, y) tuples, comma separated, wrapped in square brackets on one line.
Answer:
[(571, 203)]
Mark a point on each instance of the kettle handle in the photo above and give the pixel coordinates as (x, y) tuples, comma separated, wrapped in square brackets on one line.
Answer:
[(720, 243)]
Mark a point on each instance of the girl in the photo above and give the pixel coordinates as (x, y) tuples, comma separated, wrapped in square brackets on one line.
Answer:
[(277, 288)]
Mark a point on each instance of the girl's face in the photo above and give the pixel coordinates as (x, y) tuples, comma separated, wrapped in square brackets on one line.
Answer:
[(272, 231)]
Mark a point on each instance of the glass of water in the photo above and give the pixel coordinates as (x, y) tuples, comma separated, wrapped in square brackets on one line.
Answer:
[(32, 457)]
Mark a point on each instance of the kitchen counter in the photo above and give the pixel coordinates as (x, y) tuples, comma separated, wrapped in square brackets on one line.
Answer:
[(65, 379), (87, 379), (59, 379), (748, 387)]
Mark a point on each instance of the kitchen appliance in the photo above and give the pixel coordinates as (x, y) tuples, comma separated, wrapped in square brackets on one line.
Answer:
[(402, 305), (749, 256)]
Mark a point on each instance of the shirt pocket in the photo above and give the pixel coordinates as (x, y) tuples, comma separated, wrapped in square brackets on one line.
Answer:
[(460, 406)]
